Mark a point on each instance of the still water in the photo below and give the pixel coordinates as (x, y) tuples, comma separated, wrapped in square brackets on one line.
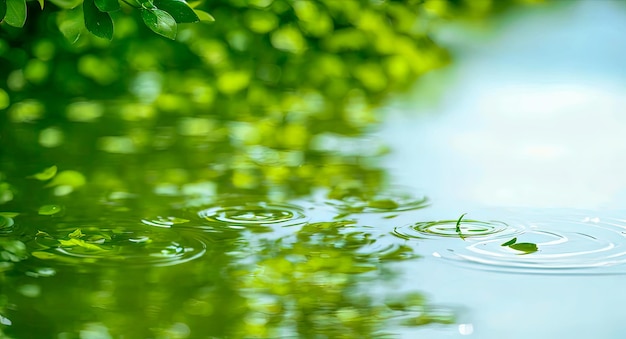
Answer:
[(485, 204)]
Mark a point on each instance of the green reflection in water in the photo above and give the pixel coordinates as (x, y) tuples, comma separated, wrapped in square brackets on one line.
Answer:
[(127, 167)]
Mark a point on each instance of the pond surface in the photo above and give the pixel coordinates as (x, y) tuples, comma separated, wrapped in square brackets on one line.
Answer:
[(488, 203)]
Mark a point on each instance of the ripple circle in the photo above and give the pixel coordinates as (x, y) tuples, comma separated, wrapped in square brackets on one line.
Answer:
[(468, 228), (252, 214), (566, 245)]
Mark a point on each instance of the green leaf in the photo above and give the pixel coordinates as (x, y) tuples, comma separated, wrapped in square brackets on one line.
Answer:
[(385, 204), (107, 5), (50, 209), (81, 243), (71, 23), (9, 214), (525, 247), (67, 4), (98, 23), (76, 234), (46, 174), (15, 13), (74, 179), (178, 9), (160, 22), (40, 3), (510, 242), (3, 9), (204, 16)]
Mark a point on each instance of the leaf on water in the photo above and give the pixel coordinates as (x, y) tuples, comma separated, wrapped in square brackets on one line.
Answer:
[(510, 242), (204, 16), (3, 9), (9, 214), (50, 209), (178, 9), (71, 23), (46, 174), (524, 247), (107, 5), (386, 204), (76, 234), (74, 179), (81, 243), (15, 13), (160, 22), (98, 23)]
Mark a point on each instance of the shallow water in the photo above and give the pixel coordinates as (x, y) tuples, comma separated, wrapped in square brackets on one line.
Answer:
[(496, 212)]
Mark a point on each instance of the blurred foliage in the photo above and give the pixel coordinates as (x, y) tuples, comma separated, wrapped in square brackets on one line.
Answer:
[(109, 148)]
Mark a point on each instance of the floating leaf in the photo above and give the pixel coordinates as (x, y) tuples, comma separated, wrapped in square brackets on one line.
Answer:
[(76, 234), (71, 23), (3, 9), (74, 179), (524, 247), (98, 23), (9, 214), (160, 22), (204, 16), (386, 204), (178, 9), (15, 13), (107, 5), (510, 242), (81, 243), (46, 174), (50, 209)]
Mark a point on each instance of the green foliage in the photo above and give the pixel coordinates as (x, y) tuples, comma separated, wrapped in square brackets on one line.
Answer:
[(15, 12), (160, 22), (96, 21)]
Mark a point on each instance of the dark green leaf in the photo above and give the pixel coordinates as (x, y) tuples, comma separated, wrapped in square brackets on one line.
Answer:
[(510, 242), (107, 5), (458, 223), (3, 9), (98, 23), (525, 247), (178, 9), (15, 13), (159, 22), (71, 23)]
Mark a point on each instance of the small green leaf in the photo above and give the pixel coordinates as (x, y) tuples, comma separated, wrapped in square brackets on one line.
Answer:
[(510, 242), (15, 13), (9, 214), (71, 23), (81, 243), (74, 179), (525, 247), (76, 234), (160, 22), (50, 209), (107, 5), (178, 9), (3, 9), (43, 255), (386, 204), (204, 16), (98, 23), (41, 3), (46, 174)]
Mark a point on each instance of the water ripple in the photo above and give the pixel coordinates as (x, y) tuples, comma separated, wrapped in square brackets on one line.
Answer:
[(247, 215), (467, 228), (575, 244), (129, 243)]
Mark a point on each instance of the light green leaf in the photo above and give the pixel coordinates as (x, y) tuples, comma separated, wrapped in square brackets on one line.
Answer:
[(160, 22), (43, 255), (40, 3), (525, 247), (46, 174), (386, 204), (15, 13), (510, 242), (9, 214), (98, 23), (81, 243), (74, 179), (50, 209), (3, 9), (107, 5), (178, 9), (67, 4), (71, 23), (204, 16), (76, 234)]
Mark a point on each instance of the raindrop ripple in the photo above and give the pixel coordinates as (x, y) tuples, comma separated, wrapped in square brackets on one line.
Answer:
[(248, 215)]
